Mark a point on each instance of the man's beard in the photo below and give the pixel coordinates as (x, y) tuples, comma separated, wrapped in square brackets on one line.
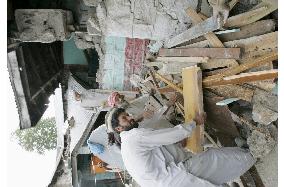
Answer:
[(133, 125)]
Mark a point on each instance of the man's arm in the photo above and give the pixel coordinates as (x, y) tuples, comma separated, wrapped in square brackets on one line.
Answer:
[(156, 138)]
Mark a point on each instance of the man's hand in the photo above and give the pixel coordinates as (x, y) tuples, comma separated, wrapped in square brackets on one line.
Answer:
[(200, 118)]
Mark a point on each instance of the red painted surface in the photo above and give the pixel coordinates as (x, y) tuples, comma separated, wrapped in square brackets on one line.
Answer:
[(135, 51)]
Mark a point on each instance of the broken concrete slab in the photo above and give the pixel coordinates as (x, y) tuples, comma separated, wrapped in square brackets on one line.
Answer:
[(85, 41), (142, 19), (263, 115), (43, 25), (260, 144), (269, 100), (267, 168)]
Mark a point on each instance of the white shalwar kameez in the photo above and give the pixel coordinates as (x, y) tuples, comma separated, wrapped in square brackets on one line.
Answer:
[(150, 163)]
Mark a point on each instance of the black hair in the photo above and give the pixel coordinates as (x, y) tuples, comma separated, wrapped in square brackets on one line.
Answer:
[(114, 119)]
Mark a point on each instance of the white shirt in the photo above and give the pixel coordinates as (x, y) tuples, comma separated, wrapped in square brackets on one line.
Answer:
[(151, 164)]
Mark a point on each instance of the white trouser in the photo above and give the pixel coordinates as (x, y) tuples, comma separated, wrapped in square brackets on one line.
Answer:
[(220, 165)]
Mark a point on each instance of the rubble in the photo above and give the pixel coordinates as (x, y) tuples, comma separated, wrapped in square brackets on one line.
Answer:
[(260, 144), (265, 107), (86, 41), (43, 25)]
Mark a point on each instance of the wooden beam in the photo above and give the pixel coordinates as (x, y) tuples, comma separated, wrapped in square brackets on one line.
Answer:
[(182, 59), (248, 64), (258, 12), (201, 52), (255, 29), (174, 86), (193, 102), (257, 45), (244, 78), (211, 37), (197, 30)]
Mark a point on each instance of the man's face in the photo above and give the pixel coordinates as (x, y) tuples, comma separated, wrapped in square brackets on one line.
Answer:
[(126, 122), (118, 99)]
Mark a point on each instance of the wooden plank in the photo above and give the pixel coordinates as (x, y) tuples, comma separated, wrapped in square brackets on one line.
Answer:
[(182, 59), (211, 37), (193, 102), (248, 44), (237, 91), (201, 52), (258, 12), (174, 86), (255, 29), (218, 63), (244, 78), (248, 64), (197, 30), (174, 68), (257, 45)]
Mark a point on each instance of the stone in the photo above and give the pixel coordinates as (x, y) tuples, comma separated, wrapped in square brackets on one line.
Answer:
[(265, 107), (260, 144), (263, 115), (43, 25)]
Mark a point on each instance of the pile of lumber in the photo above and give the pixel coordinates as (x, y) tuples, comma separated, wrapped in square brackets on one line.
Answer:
[(236, 62)]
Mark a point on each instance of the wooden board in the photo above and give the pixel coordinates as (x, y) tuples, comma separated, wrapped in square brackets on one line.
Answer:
[(211, 37), (201, 52), (193, 102), (248, 64), (182, 59), (244, 78), (255, 29), (255, 14), (237, 91), (197, 30)]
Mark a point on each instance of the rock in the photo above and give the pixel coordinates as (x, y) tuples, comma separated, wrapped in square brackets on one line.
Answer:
[(260, 144), (43, 25), (263, 115), (265, 107)]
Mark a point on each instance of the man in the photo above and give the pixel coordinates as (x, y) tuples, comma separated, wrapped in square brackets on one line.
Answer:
[(98, 145), (149, 162)]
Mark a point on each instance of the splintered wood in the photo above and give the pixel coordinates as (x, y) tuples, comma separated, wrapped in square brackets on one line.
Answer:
[(193, 102)]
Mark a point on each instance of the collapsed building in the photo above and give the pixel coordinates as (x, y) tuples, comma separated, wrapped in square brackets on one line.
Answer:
[(94, 47)]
